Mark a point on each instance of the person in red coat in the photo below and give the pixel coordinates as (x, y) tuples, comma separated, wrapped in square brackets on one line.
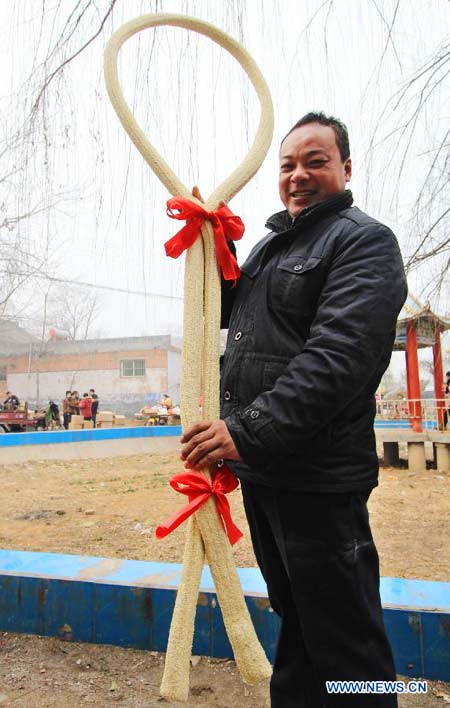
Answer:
[(85, 406)]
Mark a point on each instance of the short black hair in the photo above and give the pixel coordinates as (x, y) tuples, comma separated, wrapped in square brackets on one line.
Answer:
[(447, 373), (339, 128), (68, 392)]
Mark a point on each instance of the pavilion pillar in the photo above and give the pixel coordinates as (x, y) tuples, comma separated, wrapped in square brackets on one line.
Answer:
[(412, 378), (438, 378)]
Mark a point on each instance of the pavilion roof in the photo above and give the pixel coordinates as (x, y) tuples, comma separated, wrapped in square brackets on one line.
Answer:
[(426, 321)]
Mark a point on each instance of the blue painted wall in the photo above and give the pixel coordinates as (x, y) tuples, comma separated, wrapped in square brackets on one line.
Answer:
[(66, 436), (130, 604), (70, 436), (402, 425)]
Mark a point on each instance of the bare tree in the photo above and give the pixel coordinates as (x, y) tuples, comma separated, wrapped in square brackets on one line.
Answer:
[(415, 113), (32, 124), (73, 311), (44, 125)]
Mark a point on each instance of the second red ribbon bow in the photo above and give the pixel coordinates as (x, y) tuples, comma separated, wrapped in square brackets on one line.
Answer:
[(198, 489)]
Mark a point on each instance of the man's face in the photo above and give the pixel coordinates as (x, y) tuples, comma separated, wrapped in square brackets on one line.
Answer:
[(311, 168)]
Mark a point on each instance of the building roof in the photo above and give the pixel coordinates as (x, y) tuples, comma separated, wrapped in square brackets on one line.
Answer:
[(92, 346), (13, 338)]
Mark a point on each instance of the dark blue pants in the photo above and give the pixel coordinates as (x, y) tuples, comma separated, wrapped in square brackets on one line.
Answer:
[(319, 561)]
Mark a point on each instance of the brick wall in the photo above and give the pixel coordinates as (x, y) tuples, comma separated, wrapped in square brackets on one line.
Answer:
[(49, 376)]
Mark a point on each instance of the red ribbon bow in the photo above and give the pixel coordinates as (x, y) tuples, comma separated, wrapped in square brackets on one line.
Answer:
[(198, 489), (226, 225)]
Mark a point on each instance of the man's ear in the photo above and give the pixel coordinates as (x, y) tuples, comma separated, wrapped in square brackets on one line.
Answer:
[(348, 169)]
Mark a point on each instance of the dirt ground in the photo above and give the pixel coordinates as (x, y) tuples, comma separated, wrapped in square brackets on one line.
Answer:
[(110, 508), (37, 672)]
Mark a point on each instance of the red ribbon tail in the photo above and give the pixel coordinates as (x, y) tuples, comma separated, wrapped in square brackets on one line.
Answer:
[(234, 227), (232, 531), (179, 516), (183, 239), (226, 260), (224, 482), (230, 268)]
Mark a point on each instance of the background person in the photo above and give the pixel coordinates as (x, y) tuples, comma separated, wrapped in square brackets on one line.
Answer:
[(166, 401), (74, 403), (66, 410), (11, 401), (85, 406), (447, 398), (52, 418), (95, 402)]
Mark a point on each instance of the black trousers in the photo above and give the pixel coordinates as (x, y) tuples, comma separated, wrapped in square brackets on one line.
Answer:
[(446, 414), (319, 561)]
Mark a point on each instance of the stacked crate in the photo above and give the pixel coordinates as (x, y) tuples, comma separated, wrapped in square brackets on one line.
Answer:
[(105, 419)]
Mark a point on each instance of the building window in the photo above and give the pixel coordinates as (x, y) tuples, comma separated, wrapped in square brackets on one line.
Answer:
[(2, 373), (132, 367)]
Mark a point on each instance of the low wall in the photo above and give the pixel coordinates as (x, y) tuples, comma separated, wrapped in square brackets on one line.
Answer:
[(57, 437), (130, 603), (118, 441), (87, 444)]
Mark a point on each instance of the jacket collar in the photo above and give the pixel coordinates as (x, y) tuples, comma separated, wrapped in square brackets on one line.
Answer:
[(282, 220)]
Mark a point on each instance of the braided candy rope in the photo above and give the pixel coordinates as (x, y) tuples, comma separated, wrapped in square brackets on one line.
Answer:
[(200, 368)]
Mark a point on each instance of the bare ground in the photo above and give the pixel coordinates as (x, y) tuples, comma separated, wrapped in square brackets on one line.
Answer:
[(110, 508), (37, 672)]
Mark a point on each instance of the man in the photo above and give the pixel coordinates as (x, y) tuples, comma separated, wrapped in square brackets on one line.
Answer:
[(311, 330), (85, 406), (95, 402), (447, 398), (74, 402), (11, 401), (166, 401), (66, 410)]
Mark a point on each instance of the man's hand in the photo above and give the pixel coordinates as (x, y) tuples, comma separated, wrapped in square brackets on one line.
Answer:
[(205, 443), (197, 194)]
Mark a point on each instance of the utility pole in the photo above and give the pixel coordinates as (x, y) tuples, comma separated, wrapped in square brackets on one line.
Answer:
[(40, 352)]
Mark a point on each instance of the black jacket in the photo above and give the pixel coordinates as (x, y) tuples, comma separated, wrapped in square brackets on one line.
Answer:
[(311, 328)]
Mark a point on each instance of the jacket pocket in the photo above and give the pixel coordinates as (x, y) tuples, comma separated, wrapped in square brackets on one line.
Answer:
[(299, 265), (272, 371), (296, 286)]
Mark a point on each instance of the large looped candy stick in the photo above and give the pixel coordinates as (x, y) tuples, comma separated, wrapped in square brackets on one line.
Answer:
[(200, 366)]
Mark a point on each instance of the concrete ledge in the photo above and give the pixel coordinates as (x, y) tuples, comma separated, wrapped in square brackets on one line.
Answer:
[(416, 447), (130, 604), (70, 436), (400, 435), (91, 450), (88, 444), (439, 436)]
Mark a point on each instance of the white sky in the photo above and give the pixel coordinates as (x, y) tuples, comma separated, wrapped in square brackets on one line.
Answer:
[(198, 109)]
